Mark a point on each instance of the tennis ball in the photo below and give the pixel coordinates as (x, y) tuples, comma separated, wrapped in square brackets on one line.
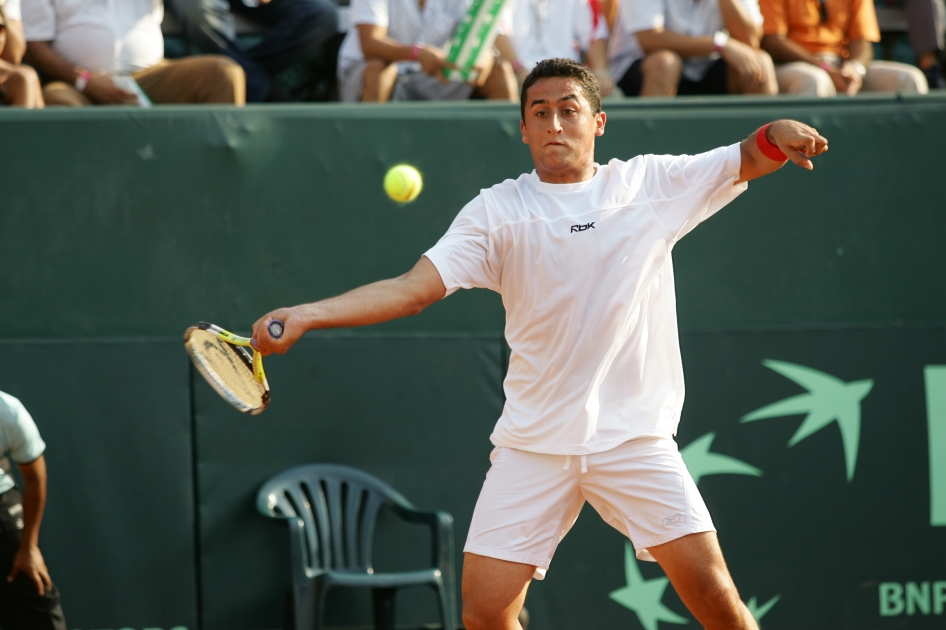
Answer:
[(403, 183)]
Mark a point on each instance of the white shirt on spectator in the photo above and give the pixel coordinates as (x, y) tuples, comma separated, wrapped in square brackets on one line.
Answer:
[(19, 437), (696, 18), (406, 22), (12, 8), (549, 29), (102, 36), (586, 277)]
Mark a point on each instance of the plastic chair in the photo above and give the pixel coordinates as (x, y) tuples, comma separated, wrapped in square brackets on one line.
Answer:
[(331, 512)]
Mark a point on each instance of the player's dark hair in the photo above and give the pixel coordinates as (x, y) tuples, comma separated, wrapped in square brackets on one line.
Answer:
[(563, 68)]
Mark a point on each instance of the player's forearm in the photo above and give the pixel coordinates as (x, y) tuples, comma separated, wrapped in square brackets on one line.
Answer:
[(41, 56), (684, 45), (34, 501), (784, 50), (739, 23)]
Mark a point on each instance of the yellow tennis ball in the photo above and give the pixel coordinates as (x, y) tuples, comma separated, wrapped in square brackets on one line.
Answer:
[(403, 183)]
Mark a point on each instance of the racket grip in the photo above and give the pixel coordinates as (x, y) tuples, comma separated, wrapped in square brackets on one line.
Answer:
[(276, 328)]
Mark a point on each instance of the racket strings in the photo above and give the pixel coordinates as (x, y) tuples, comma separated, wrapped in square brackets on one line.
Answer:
[(223, 366)]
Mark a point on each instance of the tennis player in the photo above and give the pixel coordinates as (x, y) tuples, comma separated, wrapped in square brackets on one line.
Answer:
[(580, 253)]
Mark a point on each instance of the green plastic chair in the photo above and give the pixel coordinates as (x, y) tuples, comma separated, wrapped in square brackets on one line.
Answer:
[(331, 512)]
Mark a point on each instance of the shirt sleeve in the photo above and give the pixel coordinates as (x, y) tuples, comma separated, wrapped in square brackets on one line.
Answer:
[(465, 256), (39, 20), (370, 12), (18, 433), (685, 190), (774, 15), (863, 22), (641, 15), (752, 6), (13, 10)]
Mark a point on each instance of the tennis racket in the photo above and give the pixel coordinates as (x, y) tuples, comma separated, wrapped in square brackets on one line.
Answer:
[(233, 371)]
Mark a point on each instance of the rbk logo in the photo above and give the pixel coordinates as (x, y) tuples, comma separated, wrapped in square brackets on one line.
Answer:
[(582, 228)]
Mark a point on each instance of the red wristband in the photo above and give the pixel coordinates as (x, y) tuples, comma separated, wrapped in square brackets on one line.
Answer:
[(769, 149), (415, 52)]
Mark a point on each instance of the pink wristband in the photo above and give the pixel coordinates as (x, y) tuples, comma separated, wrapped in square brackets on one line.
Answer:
[(517, 64), (827, 67), (769, 149), (415, 52)]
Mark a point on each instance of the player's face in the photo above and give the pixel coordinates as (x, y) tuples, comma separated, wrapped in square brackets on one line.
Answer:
[(560, 126)]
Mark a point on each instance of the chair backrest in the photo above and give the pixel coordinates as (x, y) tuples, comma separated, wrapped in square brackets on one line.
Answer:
[(336, 506)]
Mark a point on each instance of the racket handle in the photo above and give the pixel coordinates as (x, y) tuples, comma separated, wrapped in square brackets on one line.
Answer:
[(276, 328)]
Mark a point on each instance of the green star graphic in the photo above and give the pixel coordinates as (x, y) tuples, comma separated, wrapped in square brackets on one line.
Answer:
[(829, 399), (759, 611), (643, 596), (700, 461)]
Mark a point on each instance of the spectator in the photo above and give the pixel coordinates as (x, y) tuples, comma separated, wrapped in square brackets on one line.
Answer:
[(28, 598), (534, 30), (395, 50), (926, 23), (669, 47), (81, 44), (299, 31), (823, 48), (19, 85)]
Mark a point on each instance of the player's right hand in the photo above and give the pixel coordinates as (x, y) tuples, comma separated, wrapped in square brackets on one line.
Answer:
[(293, 329), (102, 91)]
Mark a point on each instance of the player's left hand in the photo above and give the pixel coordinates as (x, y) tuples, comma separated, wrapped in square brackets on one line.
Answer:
[(293, 328), (29, 561), (798, 141)]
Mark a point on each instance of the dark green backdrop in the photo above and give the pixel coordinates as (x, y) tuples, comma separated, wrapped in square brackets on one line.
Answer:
[(118, 228)]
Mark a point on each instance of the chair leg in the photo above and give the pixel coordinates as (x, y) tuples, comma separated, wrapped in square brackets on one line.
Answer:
[(446, 603), (303, 605), (384, 608)]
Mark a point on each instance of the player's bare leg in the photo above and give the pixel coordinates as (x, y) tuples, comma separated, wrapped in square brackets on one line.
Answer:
[(494, 592), (698, 572)]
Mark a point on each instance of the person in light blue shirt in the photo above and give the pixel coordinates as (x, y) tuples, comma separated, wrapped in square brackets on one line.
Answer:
[(28, 598)]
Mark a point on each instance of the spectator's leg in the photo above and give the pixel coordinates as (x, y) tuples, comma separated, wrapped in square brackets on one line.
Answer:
[(804, 79), (201, 79), (926, 22), (59, 93), (768, 86), (661, 73), (209, 28), (20, 86), (298, 30), (379, 78), (501, 84), (890, 76)]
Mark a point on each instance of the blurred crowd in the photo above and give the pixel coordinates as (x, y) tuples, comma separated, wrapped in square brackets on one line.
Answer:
[(112, 52)]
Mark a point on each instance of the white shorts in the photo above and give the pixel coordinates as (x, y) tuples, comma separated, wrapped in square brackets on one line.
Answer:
[(529, 501)]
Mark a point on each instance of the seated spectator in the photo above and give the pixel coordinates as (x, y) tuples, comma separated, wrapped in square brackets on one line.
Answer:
[(670, 47), (823, 48), (926, 24), (19, 85), (298, 31), (396, 50), (80, 45), (534, 30), (28, 597)]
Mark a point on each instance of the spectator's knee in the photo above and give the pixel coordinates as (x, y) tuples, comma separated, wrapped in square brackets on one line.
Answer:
[(769, 82), (663, 63), (913, 81), (226, 81), (374, 68)]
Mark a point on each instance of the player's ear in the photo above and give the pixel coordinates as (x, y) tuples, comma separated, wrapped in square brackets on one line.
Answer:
[(522, 128), (600, 119)]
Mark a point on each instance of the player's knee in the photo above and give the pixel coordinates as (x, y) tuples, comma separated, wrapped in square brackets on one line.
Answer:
[(476, 616), (662, 64)]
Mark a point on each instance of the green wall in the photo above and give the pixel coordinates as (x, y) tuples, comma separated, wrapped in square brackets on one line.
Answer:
[(118, 228)]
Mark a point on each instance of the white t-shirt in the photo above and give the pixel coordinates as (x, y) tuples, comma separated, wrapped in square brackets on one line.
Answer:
[(19, 437), (102, 36), (549, 29), (12, 7), (406, 24), (696, 18), (585, 274)]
